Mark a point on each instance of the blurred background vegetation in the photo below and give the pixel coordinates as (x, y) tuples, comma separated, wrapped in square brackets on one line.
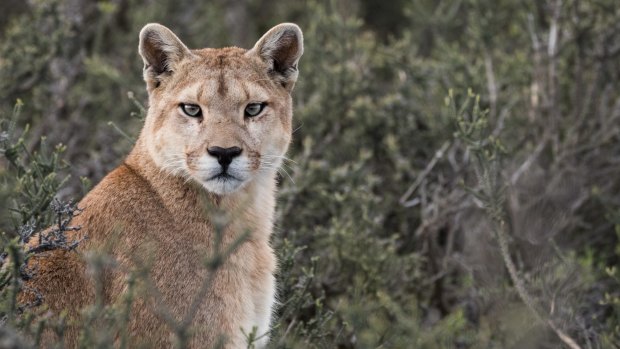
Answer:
[(457, 163)]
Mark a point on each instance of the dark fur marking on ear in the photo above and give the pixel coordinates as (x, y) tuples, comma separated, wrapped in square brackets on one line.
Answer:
[(161, 50), (280, 48)]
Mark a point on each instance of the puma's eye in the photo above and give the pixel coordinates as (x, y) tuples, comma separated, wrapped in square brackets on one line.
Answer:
[(254, 109), (191, 110)]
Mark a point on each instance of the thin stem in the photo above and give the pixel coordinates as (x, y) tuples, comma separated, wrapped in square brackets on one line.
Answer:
[(526, 298)]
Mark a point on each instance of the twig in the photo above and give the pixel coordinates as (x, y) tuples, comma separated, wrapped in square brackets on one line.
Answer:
[(502, 238), (553, 73), (404, 200), (491, 82), (529, 161)]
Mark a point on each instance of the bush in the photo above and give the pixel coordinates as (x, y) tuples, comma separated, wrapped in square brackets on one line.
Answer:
[(403, 221)]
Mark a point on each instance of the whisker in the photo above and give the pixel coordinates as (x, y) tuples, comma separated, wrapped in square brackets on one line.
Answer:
[(298, 127), (287, 174), (280, 157), (174, 167), (187, 180), (271, 162), (289, 166), (259, 80)]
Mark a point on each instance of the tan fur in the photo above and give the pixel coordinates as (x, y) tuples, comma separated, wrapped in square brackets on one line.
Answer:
[(151, 209)]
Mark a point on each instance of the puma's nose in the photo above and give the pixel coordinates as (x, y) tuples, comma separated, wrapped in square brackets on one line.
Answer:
[(224, 155)]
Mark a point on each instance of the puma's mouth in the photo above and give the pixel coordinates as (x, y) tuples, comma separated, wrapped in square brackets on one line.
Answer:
[(220, 179), (224, 176), (223, 183)]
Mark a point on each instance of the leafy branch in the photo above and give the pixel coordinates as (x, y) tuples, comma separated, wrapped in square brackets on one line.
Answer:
[(487, 151)]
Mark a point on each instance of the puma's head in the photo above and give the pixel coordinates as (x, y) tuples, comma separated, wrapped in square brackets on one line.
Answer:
[(221, 117)]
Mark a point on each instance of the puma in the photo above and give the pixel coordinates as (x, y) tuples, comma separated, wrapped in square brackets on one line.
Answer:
[(217, 128)]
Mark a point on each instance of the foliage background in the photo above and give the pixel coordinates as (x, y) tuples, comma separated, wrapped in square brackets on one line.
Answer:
[(399, 219)]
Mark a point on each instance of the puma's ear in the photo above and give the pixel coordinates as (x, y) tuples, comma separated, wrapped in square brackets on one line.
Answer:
[(161, 50), (281, 47)]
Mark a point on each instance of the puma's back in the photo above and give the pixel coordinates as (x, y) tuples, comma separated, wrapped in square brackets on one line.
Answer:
[(200, 179)]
